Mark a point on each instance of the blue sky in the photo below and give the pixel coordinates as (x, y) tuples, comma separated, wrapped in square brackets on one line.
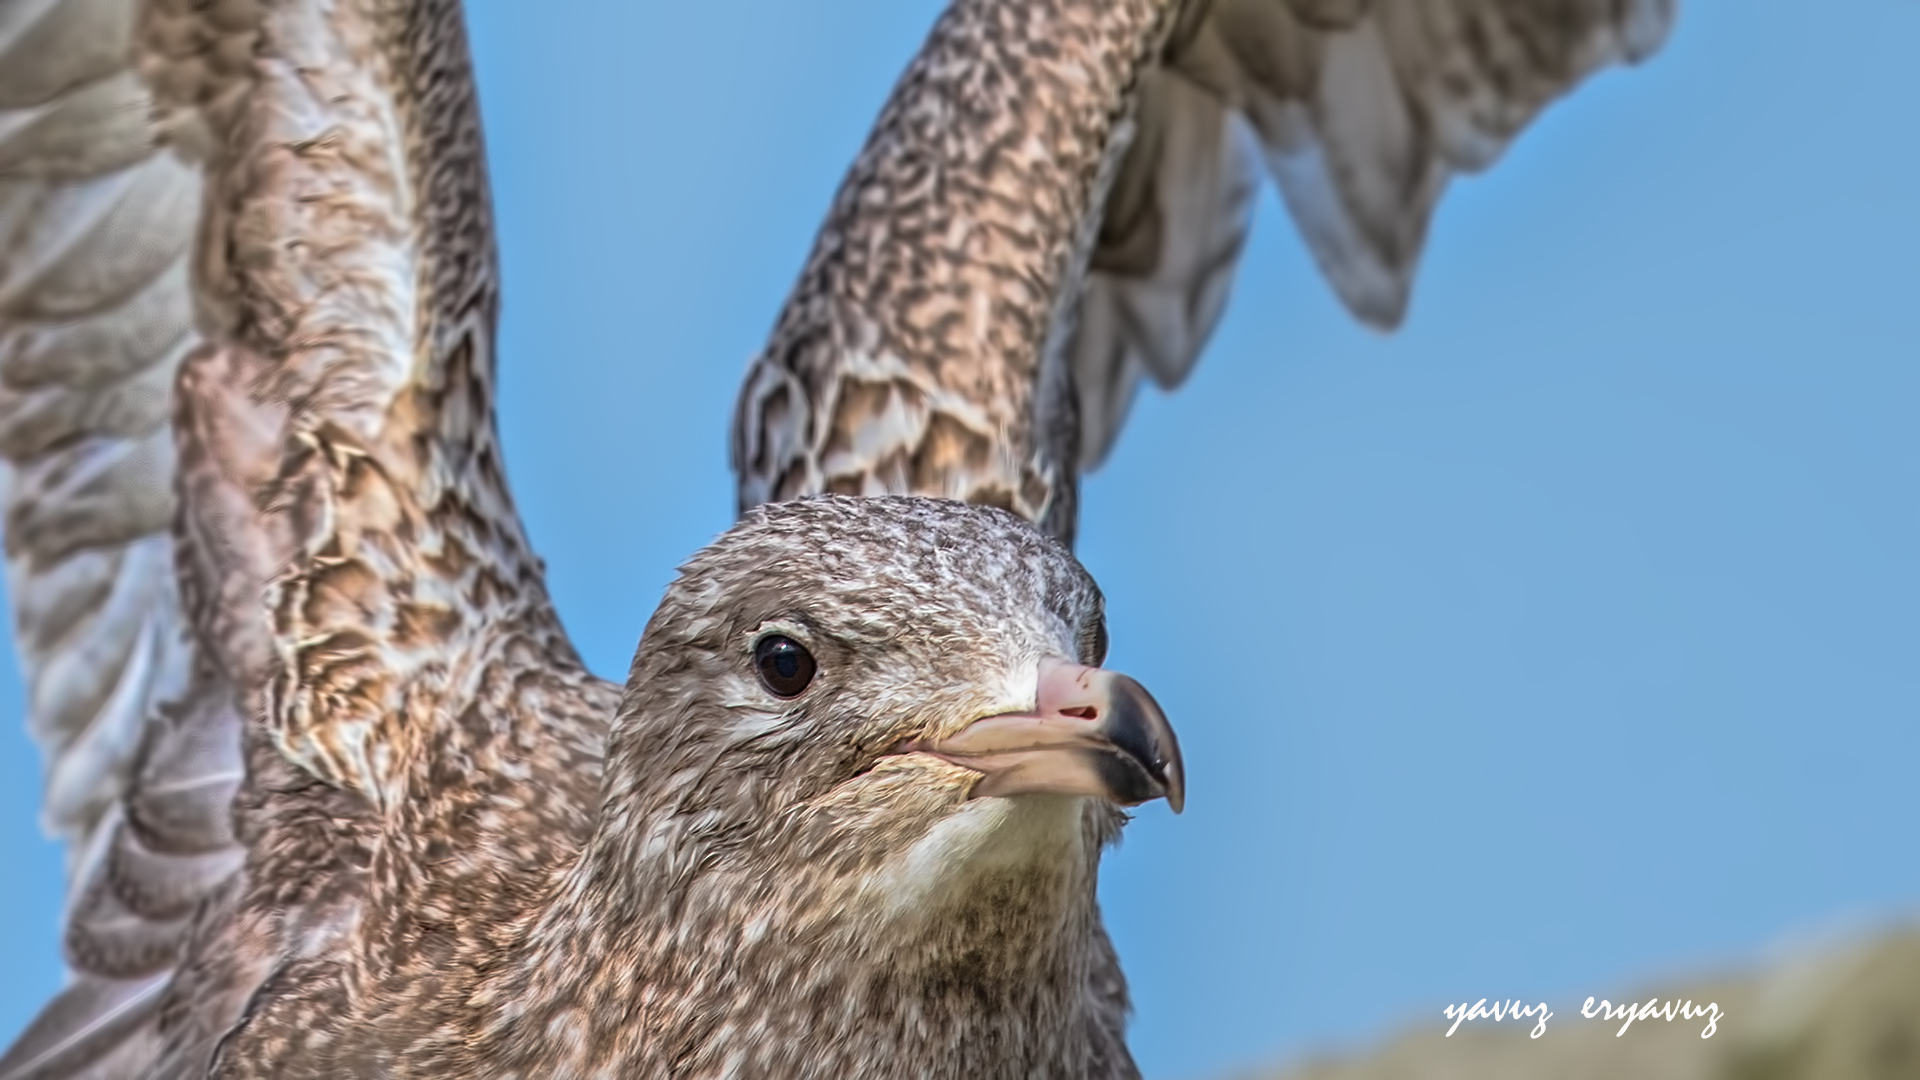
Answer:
[(1563, 640)]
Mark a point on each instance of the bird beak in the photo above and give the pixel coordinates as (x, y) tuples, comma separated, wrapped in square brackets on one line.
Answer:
[(1092, 732)]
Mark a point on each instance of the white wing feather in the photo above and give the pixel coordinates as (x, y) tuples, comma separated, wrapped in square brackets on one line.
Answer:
[(1361, 113), (97, 220)]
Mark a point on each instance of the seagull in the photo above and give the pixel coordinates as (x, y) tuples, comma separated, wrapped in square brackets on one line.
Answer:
[(855, 794), (310, 719)]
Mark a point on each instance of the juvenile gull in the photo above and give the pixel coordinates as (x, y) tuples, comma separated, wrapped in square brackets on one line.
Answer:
[(247, 313), (855, 797)]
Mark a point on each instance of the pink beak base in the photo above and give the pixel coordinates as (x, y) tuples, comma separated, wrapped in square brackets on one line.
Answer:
[(1092, 732)]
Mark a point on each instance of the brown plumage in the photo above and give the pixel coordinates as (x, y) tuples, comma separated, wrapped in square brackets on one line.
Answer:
[(344, 282), (1052, 203), (278, 209), (889, 870)]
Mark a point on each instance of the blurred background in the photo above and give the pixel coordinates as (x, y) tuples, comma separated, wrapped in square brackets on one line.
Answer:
[(1563, 643)]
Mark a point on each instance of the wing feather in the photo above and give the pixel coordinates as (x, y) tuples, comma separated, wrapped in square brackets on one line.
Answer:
[(67, 1038), (1362, 113), (97, 219), (315, 380), (1169, 243)]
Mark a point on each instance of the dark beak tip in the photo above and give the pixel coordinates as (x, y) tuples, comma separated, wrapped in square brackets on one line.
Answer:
[(1144, 732)]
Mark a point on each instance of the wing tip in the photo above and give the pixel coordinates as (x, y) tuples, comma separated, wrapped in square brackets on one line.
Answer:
[(107, 1011), (1645, 28)]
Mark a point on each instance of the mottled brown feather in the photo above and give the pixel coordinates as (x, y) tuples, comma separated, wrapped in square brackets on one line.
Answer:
[(912, 356), (444, 738), (337, 458), (1129, 232)]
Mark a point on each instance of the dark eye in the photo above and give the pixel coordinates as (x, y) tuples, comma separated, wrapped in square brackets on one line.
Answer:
[(783, 664)]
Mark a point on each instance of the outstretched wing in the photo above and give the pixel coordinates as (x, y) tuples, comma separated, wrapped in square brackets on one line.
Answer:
[(1360, 111), (97, 219), (1053, 202), (912, 356), (344, 560), (428, 742)]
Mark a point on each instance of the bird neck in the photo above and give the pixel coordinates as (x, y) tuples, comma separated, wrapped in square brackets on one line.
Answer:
[(668, 950)]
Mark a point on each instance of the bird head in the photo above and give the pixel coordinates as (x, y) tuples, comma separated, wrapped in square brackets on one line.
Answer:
[(875, 700), (853, 809)]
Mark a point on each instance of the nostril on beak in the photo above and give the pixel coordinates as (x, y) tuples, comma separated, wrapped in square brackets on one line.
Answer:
[(1082, 712)]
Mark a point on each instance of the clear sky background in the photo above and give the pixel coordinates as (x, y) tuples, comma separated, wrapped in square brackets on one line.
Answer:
[(1564, 640)]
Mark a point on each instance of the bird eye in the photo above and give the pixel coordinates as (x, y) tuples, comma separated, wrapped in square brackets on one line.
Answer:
[(785, 667)]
